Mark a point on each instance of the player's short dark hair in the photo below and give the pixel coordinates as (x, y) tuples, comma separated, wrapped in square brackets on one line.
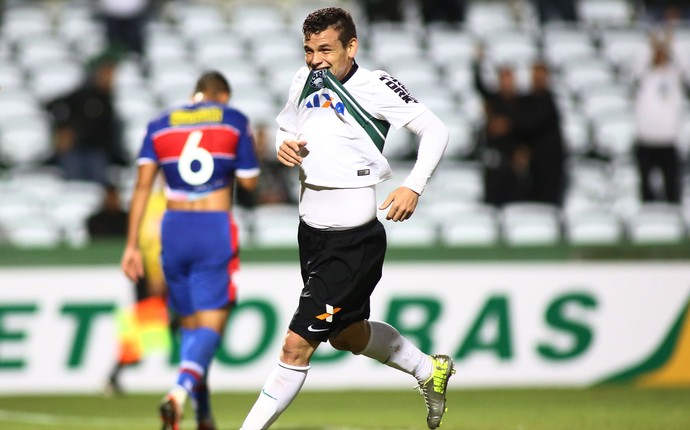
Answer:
[(335, 17), (212, 82)]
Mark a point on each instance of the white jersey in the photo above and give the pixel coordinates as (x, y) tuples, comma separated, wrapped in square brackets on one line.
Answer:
[(345, 124)]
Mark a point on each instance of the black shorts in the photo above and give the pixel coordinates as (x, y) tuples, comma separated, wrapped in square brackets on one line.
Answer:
[(340, 270)]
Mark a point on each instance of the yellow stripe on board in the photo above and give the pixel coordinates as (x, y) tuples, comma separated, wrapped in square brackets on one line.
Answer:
[(676, 371)]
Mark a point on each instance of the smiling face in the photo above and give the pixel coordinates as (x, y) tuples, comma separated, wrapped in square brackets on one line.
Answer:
[(325, 50)]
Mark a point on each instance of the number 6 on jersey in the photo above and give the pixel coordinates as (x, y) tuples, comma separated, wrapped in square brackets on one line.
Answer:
[(193, 152)]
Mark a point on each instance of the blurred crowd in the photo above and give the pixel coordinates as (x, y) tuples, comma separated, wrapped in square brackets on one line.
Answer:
[(518, 140)]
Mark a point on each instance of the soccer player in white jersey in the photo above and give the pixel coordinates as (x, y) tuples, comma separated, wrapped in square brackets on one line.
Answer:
[(333, 129)]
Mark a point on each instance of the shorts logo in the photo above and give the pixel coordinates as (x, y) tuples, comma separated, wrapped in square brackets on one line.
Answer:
[(328, 315), (315, 330), (363, 172)]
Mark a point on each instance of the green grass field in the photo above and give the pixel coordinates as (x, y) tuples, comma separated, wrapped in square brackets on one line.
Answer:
[(605, 408)]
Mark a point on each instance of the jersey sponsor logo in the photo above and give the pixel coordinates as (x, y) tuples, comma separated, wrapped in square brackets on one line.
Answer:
[(196, 116), (324, 100), (398, 88)]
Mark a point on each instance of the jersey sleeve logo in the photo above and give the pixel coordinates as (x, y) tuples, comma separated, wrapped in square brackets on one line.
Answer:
[(398, 88)]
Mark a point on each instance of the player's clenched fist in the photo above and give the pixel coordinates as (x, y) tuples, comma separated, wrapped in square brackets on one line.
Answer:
[(291, 152)]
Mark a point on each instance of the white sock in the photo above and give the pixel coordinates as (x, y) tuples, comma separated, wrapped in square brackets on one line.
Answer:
[(179, 393), (280, 389), (390, 348)]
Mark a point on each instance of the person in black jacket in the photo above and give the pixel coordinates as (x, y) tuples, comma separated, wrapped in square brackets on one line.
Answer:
[(504, 157), (539, 126), (86, 128)]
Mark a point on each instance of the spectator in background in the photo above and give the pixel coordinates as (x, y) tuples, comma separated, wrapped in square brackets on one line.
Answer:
[(556, 10), (658, 121), (665, 11), (125, 22), (538, 124), (87, 132), (382, 10), (448, 11), (505, 159), (111, 220)]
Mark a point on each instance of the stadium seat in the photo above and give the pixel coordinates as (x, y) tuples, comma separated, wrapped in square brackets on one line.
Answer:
[(471, 225), (244, 77), (624, 177), (173, 81), (456, 181), (70, 217), (625, 48), (593, 227), (275, 226), (440, 99), (248, 19), (34, 234), (605, 13), (450, 47), (511, 47), (656, 223), (136, 104), (12, 74), (599, 102), (485, 18), (614, 135), (222, 45), (76, 25), (417, 76), (260, 108), (279, 80), (387, 43), (423, 232), (194, 19), (527, 224), (37, 53), (25, 142), (17, 104), (563, 43), (56, 78), (25, 22), (166, 44), (399, 144), (585, 73), (458, 76), (575, 128), (15, 208), (590, 178), (461, 138), (23, 220)]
